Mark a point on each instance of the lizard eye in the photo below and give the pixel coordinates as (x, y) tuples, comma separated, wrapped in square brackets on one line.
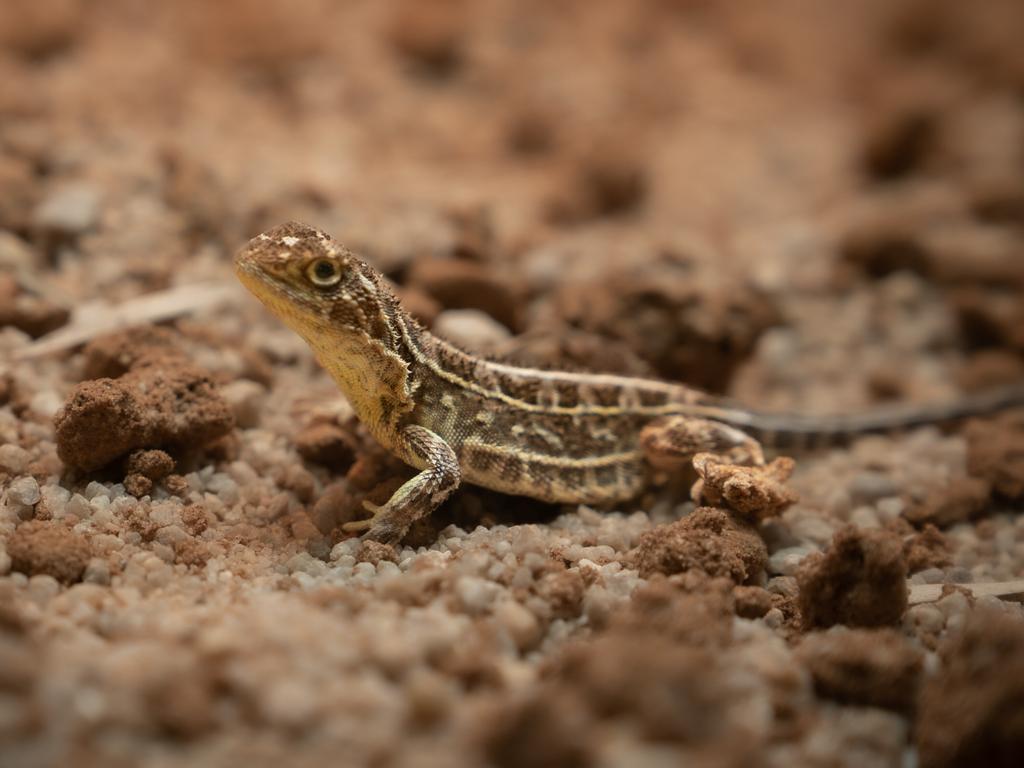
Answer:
[(324, 273)]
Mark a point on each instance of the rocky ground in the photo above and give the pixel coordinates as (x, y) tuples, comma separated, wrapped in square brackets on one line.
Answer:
[(804, 206)]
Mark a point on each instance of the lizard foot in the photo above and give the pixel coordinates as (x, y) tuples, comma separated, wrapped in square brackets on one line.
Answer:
[(356, 526), (380, 526)]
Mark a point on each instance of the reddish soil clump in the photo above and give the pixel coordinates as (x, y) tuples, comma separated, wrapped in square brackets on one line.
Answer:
[(688, 328), (752, 602), (708, 540), (756, 493), (114, 354), (860, 581), (143, 468), (173, 406), (927, 549), (27, 312), (995, 453), (463, 284), (972, 711), (49, 548), (328, 445), (869, 668), (963, 499)]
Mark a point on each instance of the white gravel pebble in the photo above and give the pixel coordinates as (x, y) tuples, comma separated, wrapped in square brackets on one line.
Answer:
[(246, 399), (786, 561), (303, 562), (24, 491), (521, 625), (864, 517), (475, 594), (42, 588), (926, 617), (71, 209), (471, 328), (97, 571), (870, 486), (79, 506), (14, 458), (94, 490)]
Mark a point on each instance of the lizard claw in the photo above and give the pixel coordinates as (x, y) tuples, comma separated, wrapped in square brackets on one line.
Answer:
[(357, 526)]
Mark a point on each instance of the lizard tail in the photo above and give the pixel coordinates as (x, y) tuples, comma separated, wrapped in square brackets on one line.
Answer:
[(796, 432)]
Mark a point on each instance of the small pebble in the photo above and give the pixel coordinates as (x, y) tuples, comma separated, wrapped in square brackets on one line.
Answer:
[(931, 576), (475, 594), (870, 486), (14, 458), (42, 588), (78, 506), (97, 571), (839, 503), (520, 623), (890, 508), (70, 210), (24, 491), (246, 400), (926, 617), (303, 562), (94, 489), (952, 604), (471, 329), (774, 618), (786, 561), (864, 517)]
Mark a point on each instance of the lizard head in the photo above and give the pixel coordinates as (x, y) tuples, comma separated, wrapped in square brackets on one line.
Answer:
[(314, 284), (343, 309)]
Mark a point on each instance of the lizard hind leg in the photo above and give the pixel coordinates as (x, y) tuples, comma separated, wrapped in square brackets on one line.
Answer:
[(671, 443), (417, 497)]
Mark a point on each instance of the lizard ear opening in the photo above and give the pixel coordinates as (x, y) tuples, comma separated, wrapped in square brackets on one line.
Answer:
[(324, 273)]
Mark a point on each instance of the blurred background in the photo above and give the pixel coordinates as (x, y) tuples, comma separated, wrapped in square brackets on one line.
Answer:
[(486, 154)]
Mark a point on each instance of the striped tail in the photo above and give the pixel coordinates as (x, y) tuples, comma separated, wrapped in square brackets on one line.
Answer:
[(797, 432)]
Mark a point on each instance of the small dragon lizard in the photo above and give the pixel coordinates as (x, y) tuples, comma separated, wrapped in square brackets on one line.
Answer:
[(553, 436)]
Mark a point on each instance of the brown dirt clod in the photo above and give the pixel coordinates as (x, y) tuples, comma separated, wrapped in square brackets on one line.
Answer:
[(689, 328), (995, 453), (151, 405), (972, 712), (928, 549), (463, 284), (114, 354), (374, 552), (864, 667), (962, 500), (328, 445), (45, 547), (708, 540), (859, 581), (153, 464), (29, 313), (752, 602), (757, 493)]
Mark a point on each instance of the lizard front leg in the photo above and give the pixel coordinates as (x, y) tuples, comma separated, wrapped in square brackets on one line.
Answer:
[(418, 496), (672, 442)]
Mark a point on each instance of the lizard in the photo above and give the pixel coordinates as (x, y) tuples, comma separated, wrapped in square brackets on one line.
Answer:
[(560, 437)]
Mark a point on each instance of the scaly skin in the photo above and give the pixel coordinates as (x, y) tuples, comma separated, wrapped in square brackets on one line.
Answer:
[(553, 436)]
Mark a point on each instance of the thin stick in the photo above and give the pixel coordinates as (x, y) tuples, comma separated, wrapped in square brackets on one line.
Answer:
[(929, 593), (151, 308)]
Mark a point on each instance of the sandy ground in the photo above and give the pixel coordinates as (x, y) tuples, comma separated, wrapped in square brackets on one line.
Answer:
[(806, 207)]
